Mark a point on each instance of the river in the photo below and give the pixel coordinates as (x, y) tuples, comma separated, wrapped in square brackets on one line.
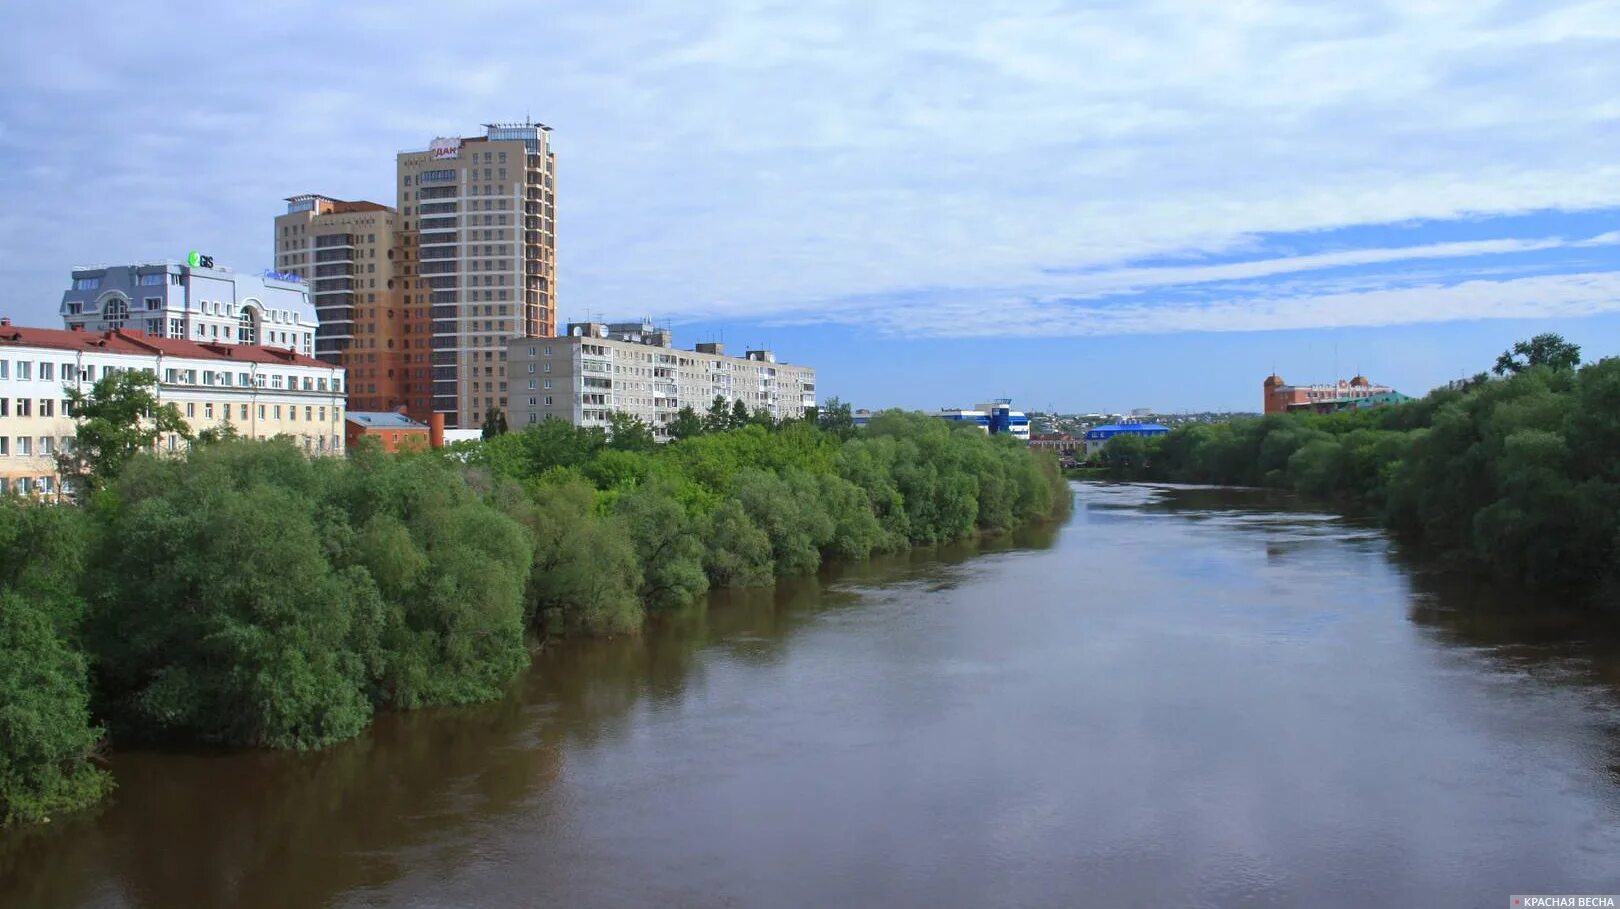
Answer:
[(1181, 697)]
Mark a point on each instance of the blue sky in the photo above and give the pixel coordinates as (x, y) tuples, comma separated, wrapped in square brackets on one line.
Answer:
[(1082, 205)]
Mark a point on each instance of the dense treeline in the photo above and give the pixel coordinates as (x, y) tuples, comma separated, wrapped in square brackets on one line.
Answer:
[(246, 595), (1517, 475)]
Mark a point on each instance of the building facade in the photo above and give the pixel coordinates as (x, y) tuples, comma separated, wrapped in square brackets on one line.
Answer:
[(478, 252), (394, 431), (1097, 437), (417, 302), (1280, 397), (260, 392), (184, 302), (346, 251), (995, 417), (599, 368)]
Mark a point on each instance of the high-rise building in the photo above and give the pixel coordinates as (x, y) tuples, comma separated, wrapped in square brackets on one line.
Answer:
[(477, 259), (347, 253)]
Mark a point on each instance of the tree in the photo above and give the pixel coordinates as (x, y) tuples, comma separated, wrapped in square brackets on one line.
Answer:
[(46, 738), (494, 422), (118, 418), (836, 418), (46, 735), (628, 432), (718, 416), (686, 424), (739, 415), (1546, 349)]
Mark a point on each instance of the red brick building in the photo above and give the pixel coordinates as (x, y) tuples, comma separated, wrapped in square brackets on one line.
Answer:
[(395, 431)]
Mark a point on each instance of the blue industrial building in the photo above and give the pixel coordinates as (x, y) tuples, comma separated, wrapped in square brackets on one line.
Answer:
[(995, 418), (1098, 436)]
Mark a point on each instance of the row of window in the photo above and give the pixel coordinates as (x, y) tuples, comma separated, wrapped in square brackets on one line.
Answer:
[(28, 446), (312, 413), (24, 486)]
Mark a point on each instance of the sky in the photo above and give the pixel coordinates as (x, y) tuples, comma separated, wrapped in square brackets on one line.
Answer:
[(1081, 206)]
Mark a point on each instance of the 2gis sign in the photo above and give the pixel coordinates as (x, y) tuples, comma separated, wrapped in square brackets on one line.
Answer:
[(197, 260)]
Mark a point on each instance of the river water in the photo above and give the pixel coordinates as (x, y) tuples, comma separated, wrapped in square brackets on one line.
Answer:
[(1182, 697)]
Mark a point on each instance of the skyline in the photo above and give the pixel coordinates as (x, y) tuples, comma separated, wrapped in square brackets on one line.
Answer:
[(1089, 208)]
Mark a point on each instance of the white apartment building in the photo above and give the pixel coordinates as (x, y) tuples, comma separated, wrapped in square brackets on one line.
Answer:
[(600, 368), (262, 392), (202, 303)]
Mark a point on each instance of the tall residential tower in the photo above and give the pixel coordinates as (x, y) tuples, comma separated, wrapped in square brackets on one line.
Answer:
[(477, 255), (418, 302)]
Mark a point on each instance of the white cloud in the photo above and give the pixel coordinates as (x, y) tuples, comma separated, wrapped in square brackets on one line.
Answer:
[(775, 157), (1541, 296)]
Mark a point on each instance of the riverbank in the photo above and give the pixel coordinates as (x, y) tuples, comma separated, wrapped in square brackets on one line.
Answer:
[(1513, 477), (1181, 696), (247, 596)]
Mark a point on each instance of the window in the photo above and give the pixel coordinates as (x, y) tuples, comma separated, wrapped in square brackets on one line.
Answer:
[(244, 412), (154, 303), (47, 444), (115, 312), (5, 369), (25, 446), (152, 280), (208, 410), (47, 372), (191, 409), (25, 370), (548, 367), (5, 446), (25, 407), (24, 485), (86, 283), (47, 407), (437, 176)]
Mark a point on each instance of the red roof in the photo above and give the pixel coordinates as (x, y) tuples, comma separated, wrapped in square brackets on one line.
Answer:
[(137, 342)]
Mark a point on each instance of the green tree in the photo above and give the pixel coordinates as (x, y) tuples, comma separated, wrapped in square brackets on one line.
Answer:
[(666, 545), (494, 422), (1548, 349), (628, 432), (718, 417), (687, 424), (837, 418), (47, 738), (118, 418), (739, 415)]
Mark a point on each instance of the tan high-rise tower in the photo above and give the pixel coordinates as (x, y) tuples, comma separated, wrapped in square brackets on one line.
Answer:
[(345, 252), (476, 259)]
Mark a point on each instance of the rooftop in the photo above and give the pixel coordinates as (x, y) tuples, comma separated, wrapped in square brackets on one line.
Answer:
[(384, 419), (140, 344)]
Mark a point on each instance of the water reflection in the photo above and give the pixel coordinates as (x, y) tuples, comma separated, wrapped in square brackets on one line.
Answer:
[(1188, 695)]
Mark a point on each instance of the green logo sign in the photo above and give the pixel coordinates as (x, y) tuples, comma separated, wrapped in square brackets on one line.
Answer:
[(198, 260)]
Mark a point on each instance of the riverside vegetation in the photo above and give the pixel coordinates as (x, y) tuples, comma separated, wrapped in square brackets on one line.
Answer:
[(1516, 475), (246, 595)]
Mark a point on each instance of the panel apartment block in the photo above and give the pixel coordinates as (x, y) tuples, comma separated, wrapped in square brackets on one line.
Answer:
[(599, 368)]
